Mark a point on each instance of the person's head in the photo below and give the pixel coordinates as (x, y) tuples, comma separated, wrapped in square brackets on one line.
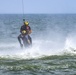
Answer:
[(23, 32), (26, 23)]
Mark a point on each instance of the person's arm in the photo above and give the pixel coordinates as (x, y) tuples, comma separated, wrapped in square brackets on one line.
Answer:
[(21, 29), (30, 31)]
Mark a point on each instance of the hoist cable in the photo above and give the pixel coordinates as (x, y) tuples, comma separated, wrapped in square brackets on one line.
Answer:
[(23, 10)]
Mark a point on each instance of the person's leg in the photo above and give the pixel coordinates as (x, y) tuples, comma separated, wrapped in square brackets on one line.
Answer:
[(19, 39), (25, 41), (30, 39)]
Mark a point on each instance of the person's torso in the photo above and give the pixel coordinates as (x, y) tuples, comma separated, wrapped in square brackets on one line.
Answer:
[(26, 28)]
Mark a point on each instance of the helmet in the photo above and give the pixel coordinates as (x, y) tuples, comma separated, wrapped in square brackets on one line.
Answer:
[(23, 32), (26, 23)]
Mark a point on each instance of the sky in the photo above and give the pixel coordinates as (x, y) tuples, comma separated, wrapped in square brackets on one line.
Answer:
[(37, 6)]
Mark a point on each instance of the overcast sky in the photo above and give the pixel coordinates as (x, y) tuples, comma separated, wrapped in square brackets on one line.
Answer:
[(38, 6)]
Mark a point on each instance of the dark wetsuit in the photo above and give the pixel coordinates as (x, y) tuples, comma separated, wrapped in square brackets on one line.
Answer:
[(25, 37)]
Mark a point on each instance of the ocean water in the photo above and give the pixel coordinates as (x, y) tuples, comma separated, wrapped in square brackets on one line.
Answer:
[(53, 51)]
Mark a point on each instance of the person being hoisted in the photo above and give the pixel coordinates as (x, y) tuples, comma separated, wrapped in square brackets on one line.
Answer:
[(24, 36)]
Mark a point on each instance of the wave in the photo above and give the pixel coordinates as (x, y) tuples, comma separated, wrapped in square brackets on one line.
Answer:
[(40, 48)]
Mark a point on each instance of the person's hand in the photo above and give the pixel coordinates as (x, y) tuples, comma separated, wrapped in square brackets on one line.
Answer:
[(30, 32)]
